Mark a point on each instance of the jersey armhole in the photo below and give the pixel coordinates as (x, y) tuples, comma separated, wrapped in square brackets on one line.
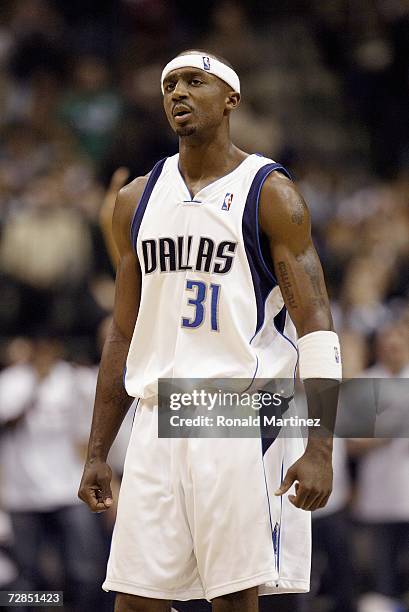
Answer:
[(264, 255), (251, 227), (262, 274), (143, 202)]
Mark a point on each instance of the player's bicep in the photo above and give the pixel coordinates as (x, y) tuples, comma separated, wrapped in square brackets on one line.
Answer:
[(284, 217)]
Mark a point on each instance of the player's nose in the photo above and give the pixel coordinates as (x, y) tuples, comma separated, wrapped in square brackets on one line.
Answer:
[(180, 90)]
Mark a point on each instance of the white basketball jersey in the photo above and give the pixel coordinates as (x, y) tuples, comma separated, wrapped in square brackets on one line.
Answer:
[(210, 305)]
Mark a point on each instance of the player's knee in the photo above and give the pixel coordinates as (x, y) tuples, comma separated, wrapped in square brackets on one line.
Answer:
[(134, 603)]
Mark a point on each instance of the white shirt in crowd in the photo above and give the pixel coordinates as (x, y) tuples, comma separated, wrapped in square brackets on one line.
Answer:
[(87, 379), (40, 459), (383, 473), (341, 486)]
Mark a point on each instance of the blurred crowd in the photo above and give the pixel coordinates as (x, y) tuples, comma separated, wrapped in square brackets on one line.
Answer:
[(326, 92)]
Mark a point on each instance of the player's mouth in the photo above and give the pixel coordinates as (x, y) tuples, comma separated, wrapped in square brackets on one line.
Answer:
[(181, 113)]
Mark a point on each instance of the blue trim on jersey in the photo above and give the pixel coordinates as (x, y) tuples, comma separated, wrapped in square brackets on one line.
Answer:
[(261, 270), (263, 277), (279, 324), (279, 320), (269, 433), (254, 376), (143, 202)]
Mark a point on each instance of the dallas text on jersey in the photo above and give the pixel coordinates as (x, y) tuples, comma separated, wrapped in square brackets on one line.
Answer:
[(170, 255)]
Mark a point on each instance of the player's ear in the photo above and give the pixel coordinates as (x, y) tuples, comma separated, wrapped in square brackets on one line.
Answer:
[(232, 100)]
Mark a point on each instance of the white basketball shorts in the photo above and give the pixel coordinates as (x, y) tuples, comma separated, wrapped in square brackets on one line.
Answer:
[(198, 518)]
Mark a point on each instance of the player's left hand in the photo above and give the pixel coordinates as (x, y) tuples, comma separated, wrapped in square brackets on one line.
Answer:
[(312, 474)]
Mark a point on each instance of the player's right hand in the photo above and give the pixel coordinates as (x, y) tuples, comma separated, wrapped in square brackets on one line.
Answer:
[(95, 486)]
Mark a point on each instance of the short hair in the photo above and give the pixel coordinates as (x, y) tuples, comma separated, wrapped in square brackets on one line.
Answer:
[(207, 53)]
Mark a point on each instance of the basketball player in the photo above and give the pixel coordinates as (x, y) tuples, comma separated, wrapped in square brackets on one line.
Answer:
[(216, 263)]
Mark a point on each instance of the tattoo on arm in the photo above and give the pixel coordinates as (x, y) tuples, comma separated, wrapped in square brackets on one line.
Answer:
[(313, 272), (286, 284), (318, 299), (299, 213)]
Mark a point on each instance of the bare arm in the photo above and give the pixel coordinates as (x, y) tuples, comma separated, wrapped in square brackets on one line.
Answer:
[(111, 400), (285, 220)]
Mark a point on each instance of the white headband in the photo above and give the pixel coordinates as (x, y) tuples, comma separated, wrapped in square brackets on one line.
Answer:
[(205, 63)]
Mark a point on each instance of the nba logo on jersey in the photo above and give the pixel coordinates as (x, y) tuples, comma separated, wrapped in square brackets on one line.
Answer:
[(228, 199), (206, 63), (336, 354)]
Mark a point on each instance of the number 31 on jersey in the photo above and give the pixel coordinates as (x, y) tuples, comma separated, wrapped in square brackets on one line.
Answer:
[(200, 302)]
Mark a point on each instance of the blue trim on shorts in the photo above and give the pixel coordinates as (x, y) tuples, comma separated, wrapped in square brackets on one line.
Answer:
[(281, 517), (276, 530), (269, 507)]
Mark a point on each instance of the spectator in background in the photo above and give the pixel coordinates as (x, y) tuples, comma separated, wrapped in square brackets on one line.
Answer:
[(44, 426), (142, 135), (46, 244), (22, 156), (45, 249), (332, 565), (382, 496), (392, 352), (92, 107), (8, 568), (355, 353), (232, 34)]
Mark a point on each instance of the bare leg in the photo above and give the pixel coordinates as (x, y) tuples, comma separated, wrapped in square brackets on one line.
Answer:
[(242, 601), (133, 603)]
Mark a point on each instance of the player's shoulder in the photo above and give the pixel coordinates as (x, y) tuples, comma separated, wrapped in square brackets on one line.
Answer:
[(127, 202), (130, 194), (278, 186), (282, 204)]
